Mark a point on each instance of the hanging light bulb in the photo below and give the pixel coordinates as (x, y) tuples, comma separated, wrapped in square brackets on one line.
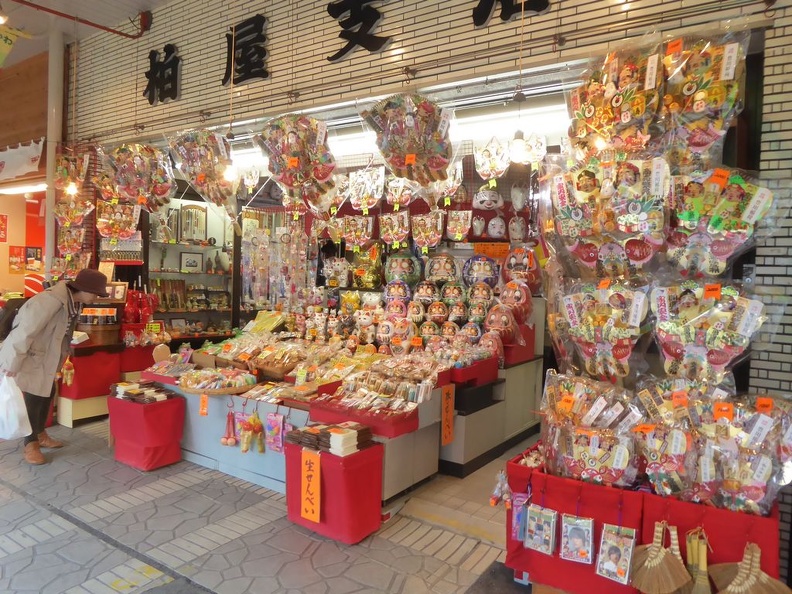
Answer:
[(517, 150), (71, 189), (3, 16), (230, 174)]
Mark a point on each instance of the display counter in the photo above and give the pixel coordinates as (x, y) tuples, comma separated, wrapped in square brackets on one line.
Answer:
[(202, 433), (96, 368)]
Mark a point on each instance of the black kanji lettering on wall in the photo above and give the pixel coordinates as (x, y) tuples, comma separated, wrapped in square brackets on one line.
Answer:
[(358, 24), (509, 8), (245, 52), (163, 76)]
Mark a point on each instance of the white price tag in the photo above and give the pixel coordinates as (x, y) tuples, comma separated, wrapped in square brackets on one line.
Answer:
[(621, 457), (661, 308), (758, 206), (638, 309), (659, 177), (445, 121), (594, 445), (570, 311), (729, 65), (762, 426), (321, 133), (706, 469), (678, 443), (763, 469), (595, 410), (651, 72)]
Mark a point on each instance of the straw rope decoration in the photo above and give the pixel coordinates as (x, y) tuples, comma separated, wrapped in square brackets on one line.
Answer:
[(746, 577)]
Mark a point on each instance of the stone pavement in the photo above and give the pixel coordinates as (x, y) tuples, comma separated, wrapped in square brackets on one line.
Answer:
[(87, 524)]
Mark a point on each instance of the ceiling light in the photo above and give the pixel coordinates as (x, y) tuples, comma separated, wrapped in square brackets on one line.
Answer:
[(23, 188), (3, 16)]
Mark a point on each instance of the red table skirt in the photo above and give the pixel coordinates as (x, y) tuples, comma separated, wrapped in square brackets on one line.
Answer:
[(728, 531), (147, 436)]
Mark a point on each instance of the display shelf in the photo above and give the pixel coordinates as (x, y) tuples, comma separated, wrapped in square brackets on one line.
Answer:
[(161, 244), (179, 272), (192, 311), (125, 262)]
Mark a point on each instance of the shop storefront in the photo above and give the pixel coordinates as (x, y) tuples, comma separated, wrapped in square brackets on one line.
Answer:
[(428, 218)]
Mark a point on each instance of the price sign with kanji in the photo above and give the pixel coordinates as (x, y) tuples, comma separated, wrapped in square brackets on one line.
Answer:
[(310, 485), (448, 414)]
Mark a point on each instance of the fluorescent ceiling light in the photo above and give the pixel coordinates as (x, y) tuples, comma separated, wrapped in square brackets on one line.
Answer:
[(23, 188)]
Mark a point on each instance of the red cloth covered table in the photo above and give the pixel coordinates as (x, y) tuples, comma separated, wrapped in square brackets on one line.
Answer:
[(147, 436)]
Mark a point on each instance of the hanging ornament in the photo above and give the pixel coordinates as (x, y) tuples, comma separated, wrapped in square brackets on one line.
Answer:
[(141, 174)]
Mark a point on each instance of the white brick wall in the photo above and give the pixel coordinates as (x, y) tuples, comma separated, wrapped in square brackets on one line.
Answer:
[(437, 38)]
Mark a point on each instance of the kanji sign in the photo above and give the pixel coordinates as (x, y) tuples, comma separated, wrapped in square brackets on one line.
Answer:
[(163, 76), (509, 8), (358, 20), (310, 485), (245, 52), (447, 425), (3, 228)]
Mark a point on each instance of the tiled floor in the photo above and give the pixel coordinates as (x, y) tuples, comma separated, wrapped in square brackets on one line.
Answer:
[(87, 524)]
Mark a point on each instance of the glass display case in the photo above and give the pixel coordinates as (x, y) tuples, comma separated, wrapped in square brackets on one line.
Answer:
[(190, 269)]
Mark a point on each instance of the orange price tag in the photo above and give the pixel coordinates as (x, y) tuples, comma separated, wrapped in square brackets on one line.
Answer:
[(495, 250), (644, 428), (396, 341), (294, 161), (674, 47), (604, 283), (416, 341), (333, 282), (227, 347), (764, 404), (447, 432), (310, 485), (409, 159), (723, 410), (203, 407), (360, 272), (584, 431), (531, 258), (566, 404), (712, 291), (244, 357), (679, 398), (720, 177)]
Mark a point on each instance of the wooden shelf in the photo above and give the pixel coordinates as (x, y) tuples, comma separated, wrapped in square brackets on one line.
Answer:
[(192, 273)]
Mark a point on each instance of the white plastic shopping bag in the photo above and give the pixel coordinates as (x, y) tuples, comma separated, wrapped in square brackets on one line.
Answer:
[(14, 422)]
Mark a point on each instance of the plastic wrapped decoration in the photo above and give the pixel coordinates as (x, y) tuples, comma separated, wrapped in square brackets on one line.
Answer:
[(366, 188), (492, 341), (703, 329), (480, 268), (500, 319), (416, 312), (68, 267), (480, 292), (70, 240), (532, 152), (428, 229), (403, 266), (141, 174), (437, 312), (617, 104), (713, 220), (72, 210), (118, 221), (412, 136), (299, 158), (70, 170), (605, 323), (522, 264), (457, 313), (452, 292), (367, 266), (517, 296), (706, 84), (610, 214), (426, 292), (441, 268), (458, 224), (492, 160), (400, 192), (397, 290), (336, 271), (357, 231), (395, 228)]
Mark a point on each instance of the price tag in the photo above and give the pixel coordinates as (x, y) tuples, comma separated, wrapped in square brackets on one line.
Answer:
[(674, 47), (679, 398), (172, 241), (712, 291), (720, 177), (447, 201), (333, 210), (154, 327), (360, 272), (114, 201), (227, 347), (244, 357), (409, 159), (604, 284), (416, 341), (644, 428), (310, 485), (114, 241), (396, 341), (396, 207), (365, 212), (203, 407), (566, 404), (723, 410), (333, 282), (293, 161), (296, 216), (495, 250), (764, 405), (301, 376)]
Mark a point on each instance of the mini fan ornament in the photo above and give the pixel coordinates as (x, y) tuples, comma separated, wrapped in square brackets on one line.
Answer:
[(746, 577), (492, 160), (299, 158), (412, 136), (657, 569), (366, 188), (141, 174)]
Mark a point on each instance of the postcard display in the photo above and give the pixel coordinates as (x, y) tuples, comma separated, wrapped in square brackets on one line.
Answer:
[(643, 223)]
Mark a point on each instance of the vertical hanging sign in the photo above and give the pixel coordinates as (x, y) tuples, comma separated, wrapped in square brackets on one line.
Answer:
[(310, 485), (448, 414)]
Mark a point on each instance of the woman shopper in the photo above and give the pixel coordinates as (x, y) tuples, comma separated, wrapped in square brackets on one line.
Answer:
[(37, 346)]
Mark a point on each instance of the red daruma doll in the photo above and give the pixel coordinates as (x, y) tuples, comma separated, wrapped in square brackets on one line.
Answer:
[(517, 296)]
